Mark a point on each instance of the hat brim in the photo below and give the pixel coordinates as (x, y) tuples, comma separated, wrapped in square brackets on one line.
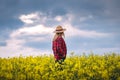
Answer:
[(60, 31)]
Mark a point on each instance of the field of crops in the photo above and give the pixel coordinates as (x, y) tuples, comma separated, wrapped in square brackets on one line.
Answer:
[(90, 67)]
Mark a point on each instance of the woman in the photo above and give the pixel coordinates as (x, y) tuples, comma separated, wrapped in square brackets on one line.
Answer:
[(59, 45)]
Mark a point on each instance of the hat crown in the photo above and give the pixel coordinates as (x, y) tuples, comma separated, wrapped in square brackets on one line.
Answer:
[(59, 28)]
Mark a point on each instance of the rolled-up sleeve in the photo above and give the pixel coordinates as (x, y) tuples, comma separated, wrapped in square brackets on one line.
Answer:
[(54, 47)]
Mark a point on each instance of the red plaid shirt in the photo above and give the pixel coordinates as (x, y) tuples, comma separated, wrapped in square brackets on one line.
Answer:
[(59, 48)]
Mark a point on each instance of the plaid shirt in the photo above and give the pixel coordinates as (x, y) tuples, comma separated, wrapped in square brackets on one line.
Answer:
[(59, 48)]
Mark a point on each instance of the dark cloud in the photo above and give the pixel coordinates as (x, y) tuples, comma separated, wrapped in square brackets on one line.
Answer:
[(58, 11), (8, 14), (4, 34), (41, 45), (91, 44), (105, 12), (10, 10), (2, 44)]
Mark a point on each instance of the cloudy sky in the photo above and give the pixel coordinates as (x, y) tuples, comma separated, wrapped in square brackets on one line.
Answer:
[(26, 26)]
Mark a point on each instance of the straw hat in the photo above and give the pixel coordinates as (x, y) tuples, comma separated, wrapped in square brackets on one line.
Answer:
[(59, 29)]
